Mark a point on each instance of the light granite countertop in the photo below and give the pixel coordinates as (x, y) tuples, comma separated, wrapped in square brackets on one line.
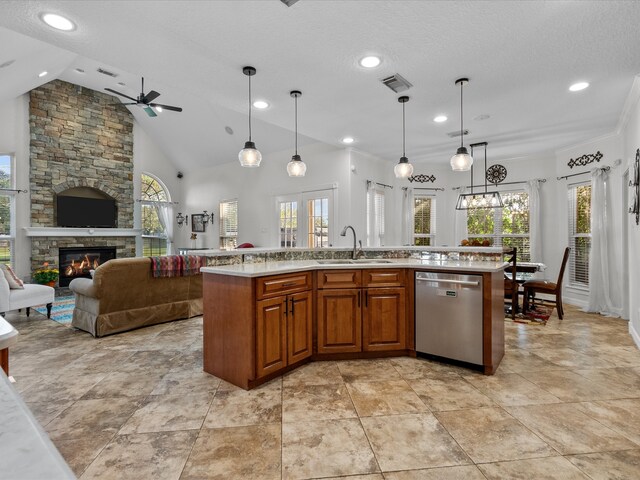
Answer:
[(25, 450), (275, 268)]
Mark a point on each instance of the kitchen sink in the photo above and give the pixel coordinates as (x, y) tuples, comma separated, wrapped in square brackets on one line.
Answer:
[(371, 260), (359, 261), (334, 262)]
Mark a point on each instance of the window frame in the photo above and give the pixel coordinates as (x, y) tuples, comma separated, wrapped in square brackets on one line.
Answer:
[(161, 240), (303, 227), (432, 219), (228, 240), (11, 195), (572, 217), (376, 204)]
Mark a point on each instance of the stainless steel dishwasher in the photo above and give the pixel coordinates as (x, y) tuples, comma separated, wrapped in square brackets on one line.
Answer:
[(449, 315)]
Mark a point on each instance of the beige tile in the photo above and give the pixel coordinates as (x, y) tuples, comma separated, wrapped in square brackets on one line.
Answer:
[(98, 360), (420, 368), (79, 452), (314, 373), (92, 416), (567, 429), (47, 411), (620, 465), (620, 356), (511, 389), (162, 413), (621, 382), (124, 384), (388, 397), (325, 448), (402, 442), (186, 382), (518, 360), (153, 362), (452, 394), (466, 472), (571, 358), (61, 389), (251, 452), (550, 468), (623, 415), (150, 455), (234, 407), (569, 386), (373, 476), (367, 370), (492, 435), (305, 403)]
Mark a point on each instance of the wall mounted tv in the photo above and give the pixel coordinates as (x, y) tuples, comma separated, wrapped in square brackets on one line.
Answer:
[(86, 212)]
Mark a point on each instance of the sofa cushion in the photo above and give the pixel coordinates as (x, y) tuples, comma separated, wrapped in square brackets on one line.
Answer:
[(32, 295), (12, 279)]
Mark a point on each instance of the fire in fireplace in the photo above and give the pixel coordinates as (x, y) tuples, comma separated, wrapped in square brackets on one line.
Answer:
[(78, 262)]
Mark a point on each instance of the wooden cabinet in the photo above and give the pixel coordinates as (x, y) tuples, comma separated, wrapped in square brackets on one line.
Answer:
[(366, 318), (284, 323)]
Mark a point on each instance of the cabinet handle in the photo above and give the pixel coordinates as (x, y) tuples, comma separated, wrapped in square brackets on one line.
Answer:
[(291, 284), (293, 307), (366, 299), (358, 298), (286, 306)]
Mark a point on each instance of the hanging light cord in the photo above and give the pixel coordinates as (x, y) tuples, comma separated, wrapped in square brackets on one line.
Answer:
[(249, 107), (296, 115), (461, 125), (403, 131)]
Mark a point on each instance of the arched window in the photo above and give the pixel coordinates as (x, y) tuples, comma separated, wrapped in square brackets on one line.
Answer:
[(154, 234)]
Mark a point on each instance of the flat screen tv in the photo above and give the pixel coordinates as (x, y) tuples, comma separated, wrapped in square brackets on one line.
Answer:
[(86, 212)]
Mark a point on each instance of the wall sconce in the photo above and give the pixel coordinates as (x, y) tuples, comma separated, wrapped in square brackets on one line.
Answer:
[(206, 217), (182, 219)]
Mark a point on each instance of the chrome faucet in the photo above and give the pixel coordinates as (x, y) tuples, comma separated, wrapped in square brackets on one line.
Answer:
[(343, 233)]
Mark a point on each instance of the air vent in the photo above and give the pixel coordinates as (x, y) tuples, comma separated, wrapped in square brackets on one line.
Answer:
[(288, 3), (457, 133), (107, 72), (397, 83)]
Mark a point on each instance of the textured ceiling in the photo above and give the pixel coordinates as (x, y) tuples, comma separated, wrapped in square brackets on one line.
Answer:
[(520, 57)]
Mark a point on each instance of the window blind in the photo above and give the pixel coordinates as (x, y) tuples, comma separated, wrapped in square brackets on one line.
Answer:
[(424, 223), (229, 224), (579, 197), (375, 217)]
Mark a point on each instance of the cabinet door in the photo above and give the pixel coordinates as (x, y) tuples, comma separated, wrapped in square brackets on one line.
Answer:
[(339, 320), (271, 335), (299, 326), (384, 325)]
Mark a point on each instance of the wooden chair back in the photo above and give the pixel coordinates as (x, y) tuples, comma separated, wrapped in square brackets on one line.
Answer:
[(565, 259)]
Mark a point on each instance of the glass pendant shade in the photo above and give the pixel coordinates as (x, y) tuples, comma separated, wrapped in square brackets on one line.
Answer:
[(403, 168), (470, 201), (461, 161), (249, 156), (296, 167)]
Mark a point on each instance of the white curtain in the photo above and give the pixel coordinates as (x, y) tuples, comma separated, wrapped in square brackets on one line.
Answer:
[(535, 234), (602, 280), (407, 217), (460, 226), (165, 217)]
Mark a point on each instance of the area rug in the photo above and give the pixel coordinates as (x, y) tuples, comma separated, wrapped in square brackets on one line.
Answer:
[(538, 315), (62, 310)]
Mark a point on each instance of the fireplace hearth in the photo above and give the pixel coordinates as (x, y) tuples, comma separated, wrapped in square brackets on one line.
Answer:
[(78, 262)]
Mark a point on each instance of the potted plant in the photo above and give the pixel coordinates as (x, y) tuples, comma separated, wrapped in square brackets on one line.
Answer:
[(46, 275)]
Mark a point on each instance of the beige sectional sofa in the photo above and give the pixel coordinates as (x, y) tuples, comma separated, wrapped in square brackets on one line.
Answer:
[(124, 295)]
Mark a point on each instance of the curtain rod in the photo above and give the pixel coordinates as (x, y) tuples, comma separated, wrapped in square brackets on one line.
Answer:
[(604, 169), (541, 180), (157, 201), (380, 184), (13, 190), (435, 189)]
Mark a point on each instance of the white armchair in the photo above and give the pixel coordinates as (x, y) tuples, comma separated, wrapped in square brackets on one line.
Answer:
[(31, 296)]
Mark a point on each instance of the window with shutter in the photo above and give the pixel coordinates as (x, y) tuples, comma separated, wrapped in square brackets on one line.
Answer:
[(229, 224), (424, 220), (579, 197)]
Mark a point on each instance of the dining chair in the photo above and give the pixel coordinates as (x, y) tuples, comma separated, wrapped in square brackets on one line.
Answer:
[(511, 287), (531, 287)]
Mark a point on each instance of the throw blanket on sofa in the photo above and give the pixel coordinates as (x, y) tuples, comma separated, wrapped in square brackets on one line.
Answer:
[(176, 265)]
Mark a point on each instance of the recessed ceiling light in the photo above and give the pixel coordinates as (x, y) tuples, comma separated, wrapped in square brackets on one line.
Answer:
[(79, 70), (370, 62), (576, 87), (58, 22), (229, 130), (348, 140), (42, 74), (440, 119), (261, 104)]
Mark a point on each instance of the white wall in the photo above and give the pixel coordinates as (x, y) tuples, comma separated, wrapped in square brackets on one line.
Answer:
[(631, 142)]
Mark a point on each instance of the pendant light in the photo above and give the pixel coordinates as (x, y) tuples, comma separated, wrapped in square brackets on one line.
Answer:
[(403, 169), (471, 201), (296, 167), (461, 161), (249, 156)]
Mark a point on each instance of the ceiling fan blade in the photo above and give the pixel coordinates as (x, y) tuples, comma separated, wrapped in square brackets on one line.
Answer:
[(151, 96), (121, 94), (150, 112), (166, 107)]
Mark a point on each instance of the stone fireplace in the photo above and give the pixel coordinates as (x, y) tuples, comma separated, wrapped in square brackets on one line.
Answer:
[(79, 142), (78, 262)]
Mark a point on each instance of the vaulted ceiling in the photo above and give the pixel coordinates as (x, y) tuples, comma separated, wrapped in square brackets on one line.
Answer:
[(520, 57)]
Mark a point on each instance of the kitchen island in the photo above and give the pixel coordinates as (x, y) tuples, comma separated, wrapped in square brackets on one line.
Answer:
[(264, 319)]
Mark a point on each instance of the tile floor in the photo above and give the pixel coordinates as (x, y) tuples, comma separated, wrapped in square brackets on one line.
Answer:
[(564, 404)]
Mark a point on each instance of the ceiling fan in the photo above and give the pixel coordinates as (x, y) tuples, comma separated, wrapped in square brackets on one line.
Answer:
[(146, 101)]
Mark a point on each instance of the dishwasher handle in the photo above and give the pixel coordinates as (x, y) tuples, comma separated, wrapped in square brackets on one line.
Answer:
[(469, 283)]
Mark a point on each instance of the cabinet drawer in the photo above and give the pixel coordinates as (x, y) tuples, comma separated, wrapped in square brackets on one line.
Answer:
[(339, 278), (388, 277), (282, 284)]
